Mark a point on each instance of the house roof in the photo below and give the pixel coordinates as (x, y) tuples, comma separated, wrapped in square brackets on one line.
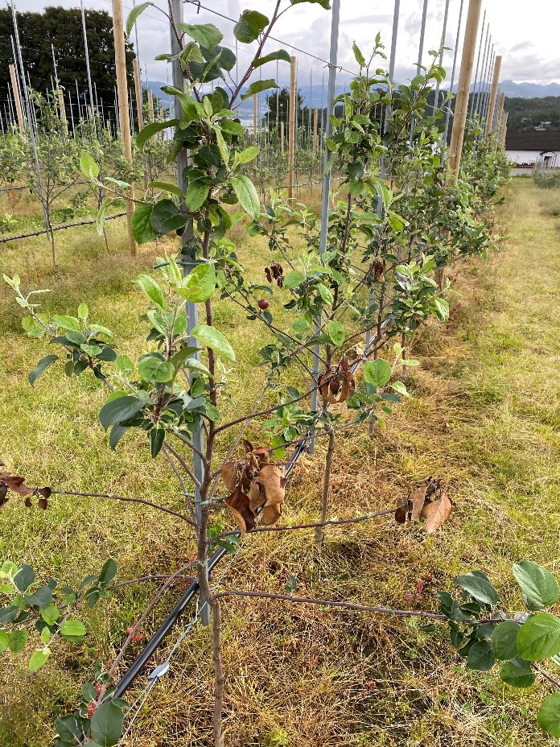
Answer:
[(533, 140)]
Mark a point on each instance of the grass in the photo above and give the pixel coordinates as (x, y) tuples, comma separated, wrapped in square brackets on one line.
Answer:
[(484, 416)]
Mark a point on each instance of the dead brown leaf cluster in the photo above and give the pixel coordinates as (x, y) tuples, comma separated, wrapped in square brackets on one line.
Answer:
[(254, 484), (17, 485), (429, 501), (337, 384)]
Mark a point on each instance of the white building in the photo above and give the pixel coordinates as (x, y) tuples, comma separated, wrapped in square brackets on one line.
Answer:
[(534, 148)]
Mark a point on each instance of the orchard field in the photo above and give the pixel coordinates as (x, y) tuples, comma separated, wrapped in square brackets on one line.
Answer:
[(328, 418)]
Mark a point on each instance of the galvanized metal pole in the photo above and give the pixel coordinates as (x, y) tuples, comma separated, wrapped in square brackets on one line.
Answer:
[(331, 86), (188, 248), (443, 33), (475, 84), (422, 35), (88, 71)]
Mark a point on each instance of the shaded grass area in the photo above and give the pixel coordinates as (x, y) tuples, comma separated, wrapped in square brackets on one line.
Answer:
[(484, 416)]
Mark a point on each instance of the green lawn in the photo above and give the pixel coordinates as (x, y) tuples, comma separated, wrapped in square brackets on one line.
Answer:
[(485, 416)]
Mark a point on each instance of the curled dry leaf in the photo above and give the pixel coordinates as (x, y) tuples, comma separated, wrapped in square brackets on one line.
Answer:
[(273, 482), (436, 512), (418, 500), (17, 484), (240, 507), (337, 384)]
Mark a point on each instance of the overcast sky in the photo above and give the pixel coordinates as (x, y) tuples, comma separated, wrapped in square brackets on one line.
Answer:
[(527, 37)]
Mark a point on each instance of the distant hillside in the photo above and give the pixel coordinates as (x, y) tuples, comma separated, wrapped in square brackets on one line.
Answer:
[(526, 114)]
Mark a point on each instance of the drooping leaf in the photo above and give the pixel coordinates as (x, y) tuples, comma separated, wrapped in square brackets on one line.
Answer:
[(336, 332), (539, 637), (479, 588), (141, 224), (88, 167), (39, 658), (133, 15), (157, 437), (246, 194), (377, 372), (517, 673), (41, 367), (108, 571), (480, 656), (167, 187), (323, 3), (107, 724), (17, 641), (214, 339), (152, 290), (196, 194), (167, 217), (249, 26), (504, 639), (539, 585), (258, 86), (24, 577), (120, 410)]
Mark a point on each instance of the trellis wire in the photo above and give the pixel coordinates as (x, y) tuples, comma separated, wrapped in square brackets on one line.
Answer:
[(58, 228)]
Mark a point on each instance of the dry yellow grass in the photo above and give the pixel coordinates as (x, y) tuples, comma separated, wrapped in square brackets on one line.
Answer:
[(484, 416)]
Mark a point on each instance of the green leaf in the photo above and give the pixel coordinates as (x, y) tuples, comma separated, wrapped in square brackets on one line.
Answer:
[(24, 577), (73, 629), (213, 339), (133, 15), (166, 217), (50, 614), (539, 637), (233, 128), (165, 186), (249, 154), (120, 410), (151, 129), (152, 368), (246, 194), (124, 366), (249, 26), (442, 309), (41, 367), (157, 437), (377, 372), (549, 715), (182, 354), (480, 656), (107, 724), (17, 640), (503, 640), (196, 365), (222, 146), (199, 284), (517, 673), (258, 86), (108, 572), (478, 587), (206, 34), (293, 278), (83, 312), (45, 634), (38, 658), (281, 54), (88, 167), (152, 290), (196, 194), (539, 585), (4, 638), (67, 322), (141, 224), (40, 598), (325, 293), (323, 3), (360, 59), (336, 332), (191, 53), (117, 432)]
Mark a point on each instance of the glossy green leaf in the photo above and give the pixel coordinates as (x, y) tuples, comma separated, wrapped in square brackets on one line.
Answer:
[(120, 410), (517, 673), (24, 577), (249, 26), (133, 15), (152, 290), (504, 639), (249, 154), (38, 659), (73, 629), (258, 87), (539, 637), (335, 331), (107, 724), (151, 129), (246, 194), (480, 656), (88, 167), (199, 284), (539, 585), (17, 641), (377, 372), (478, 587), (206, 34), (293, 279), (196, 194), (41, 367), (281, 54), (152, 368), (157, 437), (214, 339), (4, 637), (549, 715)]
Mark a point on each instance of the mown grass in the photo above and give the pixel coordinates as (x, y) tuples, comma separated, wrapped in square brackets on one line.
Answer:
[(484, 416)]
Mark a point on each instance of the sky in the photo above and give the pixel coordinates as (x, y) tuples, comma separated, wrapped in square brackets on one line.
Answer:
[(527, 40)]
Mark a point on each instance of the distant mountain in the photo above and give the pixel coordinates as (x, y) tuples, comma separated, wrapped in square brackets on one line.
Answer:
[(524, 90)]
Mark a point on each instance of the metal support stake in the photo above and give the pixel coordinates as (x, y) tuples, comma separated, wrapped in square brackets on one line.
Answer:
[(448, 112), (187, 246), (88, 71), (326, 182), (443, 33)]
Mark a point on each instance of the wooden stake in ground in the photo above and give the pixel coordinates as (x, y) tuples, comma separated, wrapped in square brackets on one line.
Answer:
[(255, 118), (17, 100), (151, 105), (315, 120), (63, 113), (499, 120), (463, 90), (124, 116), (292, 128), (493, 95)]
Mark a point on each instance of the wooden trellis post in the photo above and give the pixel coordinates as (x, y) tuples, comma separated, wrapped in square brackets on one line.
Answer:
[(62, 108), (463, 89), (150, 105), (292, 128), (499, 120), (493, 95), (17, 100), (124, 115)]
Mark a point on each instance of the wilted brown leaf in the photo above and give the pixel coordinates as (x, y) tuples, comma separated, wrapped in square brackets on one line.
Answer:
[(240, 506), (229, 475), (273, 483), (418, 500), (436, 512)]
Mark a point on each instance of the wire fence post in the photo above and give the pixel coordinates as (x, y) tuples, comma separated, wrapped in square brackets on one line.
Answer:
[(448, 112), (188, 249), (335, 18), (292, 127)]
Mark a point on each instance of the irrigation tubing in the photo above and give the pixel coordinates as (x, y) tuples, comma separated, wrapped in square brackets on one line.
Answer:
[(58, 228)]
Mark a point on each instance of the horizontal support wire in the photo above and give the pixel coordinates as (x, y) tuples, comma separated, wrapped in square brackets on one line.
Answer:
[(58, 228)]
